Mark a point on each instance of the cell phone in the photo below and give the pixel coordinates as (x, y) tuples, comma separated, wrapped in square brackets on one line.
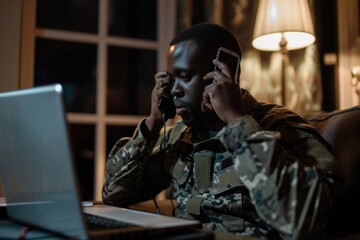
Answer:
[(232, 59), (167, 107)]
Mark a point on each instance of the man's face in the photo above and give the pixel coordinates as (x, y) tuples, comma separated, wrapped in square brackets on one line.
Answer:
[(187, 64)]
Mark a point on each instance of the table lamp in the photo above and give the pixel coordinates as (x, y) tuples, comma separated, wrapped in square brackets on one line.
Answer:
[(283, 25)]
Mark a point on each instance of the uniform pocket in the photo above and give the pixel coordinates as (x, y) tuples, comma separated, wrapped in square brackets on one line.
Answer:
[(181, 171), (224, 181)]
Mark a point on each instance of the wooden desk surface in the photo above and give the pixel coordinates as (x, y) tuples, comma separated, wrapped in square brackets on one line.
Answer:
[(165, 206), (166, 209)]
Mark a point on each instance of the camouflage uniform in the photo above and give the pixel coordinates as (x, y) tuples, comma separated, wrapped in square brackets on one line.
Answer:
[(266, 174)]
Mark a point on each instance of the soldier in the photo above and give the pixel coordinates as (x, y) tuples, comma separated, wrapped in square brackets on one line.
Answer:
[(236, 164)]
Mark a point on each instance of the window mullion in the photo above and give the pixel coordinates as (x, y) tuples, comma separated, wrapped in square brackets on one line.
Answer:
[(27, 44), (100, 138)]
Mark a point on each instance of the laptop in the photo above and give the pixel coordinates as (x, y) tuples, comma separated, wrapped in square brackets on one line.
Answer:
[(39, 179)]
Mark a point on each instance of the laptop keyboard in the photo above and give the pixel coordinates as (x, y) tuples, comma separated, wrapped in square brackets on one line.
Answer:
[(97, 223)]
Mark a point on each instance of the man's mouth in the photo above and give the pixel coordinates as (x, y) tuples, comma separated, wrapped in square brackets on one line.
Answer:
[(180, 108), (180, 111)]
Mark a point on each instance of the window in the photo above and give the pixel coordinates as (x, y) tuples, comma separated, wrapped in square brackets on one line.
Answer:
[(105, 54)]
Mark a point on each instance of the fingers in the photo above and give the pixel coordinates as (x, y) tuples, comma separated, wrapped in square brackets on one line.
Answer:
[(163, 85), (223, 68), (206, 102), (161, 79), (217, 77), (219, 84)]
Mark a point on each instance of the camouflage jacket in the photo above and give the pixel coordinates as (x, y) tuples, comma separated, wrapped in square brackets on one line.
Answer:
[(266, 174)]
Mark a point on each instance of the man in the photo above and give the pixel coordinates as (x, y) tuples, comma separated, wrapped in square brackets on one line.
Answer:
[(236, 164)]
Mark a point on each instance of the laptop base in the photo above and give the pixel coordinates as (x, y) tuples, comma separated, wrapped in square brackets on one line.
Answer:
[(12, 230)]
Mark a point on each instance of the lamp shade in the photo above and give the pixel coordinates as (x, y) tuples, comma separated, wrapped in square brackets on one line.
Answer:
[(288, 18)]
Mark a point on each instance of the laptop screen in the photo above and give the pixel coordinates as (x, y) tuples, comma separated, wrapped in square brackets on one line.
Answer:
[(36, 162)]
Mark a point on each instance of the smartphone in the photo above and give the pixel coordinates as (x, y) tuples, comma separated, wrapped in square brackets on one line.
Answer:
[(232, 59)]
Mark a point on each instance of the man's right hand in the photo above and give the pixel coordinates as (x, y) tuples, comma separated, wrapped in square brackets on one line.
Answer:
[(155, 121)]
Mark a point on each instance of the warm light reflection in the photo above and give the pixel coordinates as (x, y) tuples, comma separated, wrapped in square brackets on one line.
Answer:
[(355, 73), (289, 17), (273, 12), (296, 40)]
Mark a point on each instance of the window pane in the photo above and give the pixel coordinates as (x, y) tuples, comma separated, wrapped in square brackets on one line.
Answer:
[(133, 18), (130, 80), (71, 64), (82, 138), (78, 15), (114, 133)]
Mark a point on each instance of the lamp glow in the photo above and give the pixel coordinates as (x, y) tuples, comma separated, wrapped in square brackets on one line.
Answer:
[(296, 40), (288, 18), (283, 25)]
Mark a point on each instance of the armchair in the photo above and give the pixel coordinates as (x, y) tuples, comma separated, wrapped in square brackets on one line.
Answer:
[(341, 129)]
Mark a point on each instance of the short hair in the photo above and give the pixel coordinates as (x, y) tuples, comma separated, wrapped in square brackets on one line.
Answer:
[(209, 35)]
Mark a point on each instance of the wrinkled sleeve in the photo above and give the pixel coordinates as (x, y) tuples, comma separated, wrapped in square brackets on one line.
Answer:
[(134, 172), (291, 187)]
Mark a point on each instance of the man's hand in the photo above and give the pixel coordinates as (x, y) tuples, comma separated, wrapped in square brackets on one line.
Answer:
[(154, 121), (223, 95)]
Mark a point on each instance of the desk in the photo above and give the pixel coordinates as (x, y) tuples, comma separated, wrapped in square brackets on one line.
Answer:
[(165, 208), (8, 228), (149, 206)]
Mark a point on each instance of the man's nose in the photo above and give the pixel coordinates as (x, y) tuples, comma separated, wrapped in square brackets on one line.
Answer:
[(176, 89)]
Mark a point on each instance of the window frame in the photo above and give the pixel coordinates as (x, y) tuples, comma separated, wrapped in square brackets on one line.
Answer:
[(166, 23)]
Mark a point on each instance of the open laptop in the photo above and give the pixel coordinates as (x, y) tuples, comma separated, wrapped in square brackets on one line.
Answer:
[(39, 179)]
